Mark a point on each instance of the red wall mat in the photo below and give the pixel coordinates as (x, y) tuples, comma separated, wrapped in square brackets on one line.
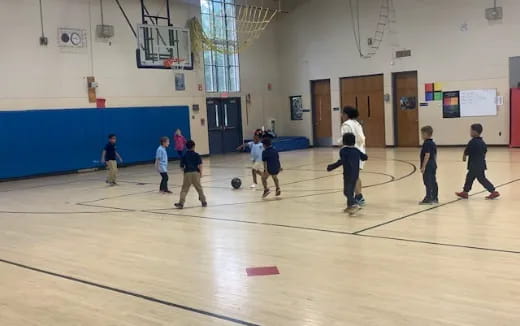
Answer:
[(514, 140)]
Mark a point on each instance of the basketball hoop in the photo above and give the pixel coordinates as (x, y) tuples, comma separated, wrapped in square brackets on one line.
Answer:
[(174, 63)]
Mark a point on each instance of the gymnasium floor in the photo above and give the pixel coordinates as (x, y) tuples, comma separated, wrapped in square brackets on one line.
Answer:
[(76, 252)]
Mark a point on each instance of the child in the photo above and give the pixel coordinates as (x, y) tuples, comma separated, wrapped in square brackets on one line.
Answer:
[(350, 158), (161, 164), (272, 166), (476, 150), (192, 165), (429, 167), (180, 142), (351, 124), (110, 156), (256, 148)]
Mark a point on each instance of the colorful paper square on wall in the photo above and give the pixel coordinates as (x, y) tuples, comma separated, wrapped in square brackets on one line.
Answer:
[(429, 96), (428, 88), (437, 96), (437, 87)]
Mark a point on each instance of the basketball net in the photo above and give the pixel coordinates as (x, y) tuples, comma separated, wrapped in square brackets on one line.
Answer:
[(174, 63)]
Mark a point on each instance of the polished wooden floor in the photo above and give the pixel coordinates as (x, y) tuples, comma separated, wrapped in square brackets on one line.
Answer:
[(76, 252)]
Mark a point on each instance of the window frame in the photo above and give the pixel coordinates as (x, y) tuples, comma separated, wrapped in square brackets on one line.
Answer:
[(221, 70)]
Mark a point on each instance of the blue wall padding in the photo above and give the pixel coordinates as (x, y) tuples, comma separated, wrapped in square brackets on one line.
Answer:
[(284, 144), (52, 141)]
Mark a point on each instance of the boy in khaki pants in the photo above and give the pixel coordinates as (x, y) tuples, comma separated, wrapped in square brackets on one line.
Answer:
[(192, 165), (110, 157)]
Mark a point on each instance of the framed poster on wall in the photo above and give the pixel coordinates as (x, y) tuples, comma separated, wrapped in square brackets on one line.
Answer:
[(451, 105), (296, 108)]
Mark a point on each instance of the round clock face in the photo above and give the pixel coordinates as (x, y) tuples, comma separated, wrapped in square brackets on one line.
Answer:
[(75, 39)]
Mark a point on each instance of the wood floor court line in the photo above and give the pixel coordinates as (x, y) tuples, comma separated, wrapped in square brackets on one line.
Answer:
[(393, 179), (130, 293), (437, 243), (432, 208)]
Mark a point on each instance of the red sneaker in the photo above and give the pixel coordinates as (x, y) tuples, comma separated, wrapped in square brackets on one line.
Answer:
[(463, 195), (493, 195)]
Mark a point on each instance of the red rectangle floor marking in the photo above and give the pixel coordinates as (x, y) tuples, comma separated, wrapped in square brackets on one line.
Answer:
[(262, 271)]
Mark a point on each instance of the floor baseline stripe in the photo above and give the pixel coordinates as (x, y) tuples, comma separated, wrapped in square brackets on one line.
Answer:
[(129, 293)]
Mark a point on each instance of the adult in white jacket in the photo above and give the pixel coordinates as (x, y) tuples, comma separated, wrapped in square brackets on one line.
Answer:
[(352, 125)]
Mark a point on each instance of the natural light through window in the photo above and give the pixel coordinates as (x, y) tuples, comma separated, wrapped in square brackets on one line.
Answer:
[(221, 64)]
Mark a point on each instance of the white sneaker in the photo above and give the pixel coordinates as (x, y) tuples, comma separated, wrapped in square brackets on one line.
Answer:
[(253, 186)]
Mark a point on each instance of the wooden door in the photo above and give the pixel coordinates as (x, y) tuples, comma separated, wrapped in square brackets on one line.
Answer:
[(366, 93), (321, 112), (406, 120)]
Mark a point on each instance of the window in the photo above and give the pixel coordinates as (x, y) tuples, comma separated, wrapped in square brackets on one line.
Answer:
[(221, 68)]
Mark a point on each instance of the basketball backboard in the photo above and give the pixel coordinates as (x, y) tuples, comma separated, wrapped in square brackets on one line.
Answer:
[(158, 45)]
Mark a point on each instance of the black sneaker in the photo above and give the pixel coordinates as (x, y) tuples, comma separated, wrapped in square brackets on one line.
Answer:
[(204, 204), (266, 193), (426, 202), (278, 192), (168, 192), (179, 205)]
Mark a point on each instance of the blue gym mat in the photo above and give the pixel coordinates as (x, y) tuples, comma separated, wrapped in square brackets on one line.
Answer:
[(284, 144)]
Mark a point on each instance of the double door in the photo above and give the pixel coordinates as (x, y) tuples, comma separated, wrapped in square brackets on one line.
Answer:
[(366, 93), (224, 124)]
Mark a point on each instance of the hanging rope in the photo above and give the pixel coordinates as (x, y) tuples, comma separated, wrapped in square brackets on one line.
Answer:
[(386, 16)]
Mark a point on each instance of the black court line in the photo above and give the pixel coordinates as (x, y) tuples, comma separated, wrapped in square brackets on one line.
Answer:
[(44, 185), (439, 243), (118, 196), (394, 179), (341, 232), (130, 293), (429, 209), (107, 207), (249, 222), (113, 210)]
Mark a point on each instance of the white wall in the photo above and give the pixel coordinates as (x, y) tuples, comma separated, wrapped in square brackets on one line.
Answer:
[(35, 77), (260, 67), (316, 41)]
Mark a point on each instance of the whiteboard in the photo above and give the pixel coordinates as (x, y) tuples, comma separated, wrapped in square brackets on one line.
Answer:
[(478, 102)]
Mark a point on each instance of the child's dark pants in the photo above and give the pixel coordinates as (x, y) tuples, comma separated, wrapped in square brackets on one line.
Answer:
[(480, 175), (349, 185), (430, 182)]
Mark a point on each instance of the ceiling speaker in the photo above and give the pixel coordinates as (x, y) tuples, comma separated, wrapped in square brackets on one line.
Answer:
[(494, 13)]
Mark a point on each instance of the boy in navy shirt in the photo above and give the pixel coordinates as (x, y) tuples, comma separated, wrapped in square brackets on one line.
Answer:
[(429, 167), (272, 166), (350, 157), (109, 156), (191, 163), (476, 151)]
